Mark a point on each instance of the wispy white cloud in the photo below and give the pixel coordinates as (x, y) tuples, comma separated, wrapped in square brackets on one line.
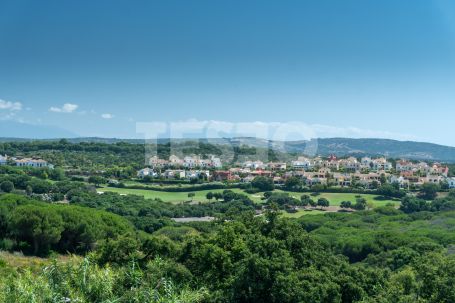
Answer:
[(66, 108), (8, 105), (107, 116)]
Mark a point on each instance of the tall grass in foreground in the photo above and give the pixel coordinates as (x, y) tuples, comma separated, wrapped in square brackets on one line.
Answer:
[(84, 281)]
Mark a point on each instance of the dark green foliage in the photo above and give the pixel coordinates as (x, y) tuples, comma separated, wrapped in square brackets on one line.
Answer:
[(390, 190), (360, 204), (7, 186), (151, 215), (384, 255), (412, 204), (323, 202), (282, 199), (263, 183), (40, 227), (97, 180), (253, 260), (346, 204), (209, 196), (429, 191), (306, 200), (293, 183)]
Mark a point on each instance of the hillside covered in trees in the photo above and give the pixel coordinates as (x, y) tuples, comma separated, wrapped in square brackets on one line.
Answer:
[(381, 255)]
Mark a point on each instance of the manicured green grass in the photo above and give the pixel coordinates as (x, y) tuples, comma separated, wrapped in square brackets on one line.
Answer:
[(174, 197), (336, 198)]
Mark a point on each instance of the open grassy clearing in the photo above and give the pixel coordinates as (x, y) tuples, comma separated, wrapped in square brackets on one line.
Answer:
[(175, 197), (335, 199), (35, 264)]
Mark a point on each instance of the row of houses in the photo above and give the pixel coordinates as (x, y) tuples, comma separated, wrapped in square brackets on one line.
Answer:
[(377, 164), (349, 164), (326, 175), (23, 162), (367, 172), (406, 180), (174, 174), (261, 165), (186, 162), (422, 168), (322, 176)]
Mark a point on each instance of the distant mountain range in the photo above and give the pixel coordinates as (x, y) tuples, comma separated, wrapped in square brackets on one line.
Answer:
[(25, 130), (378, 147), (323, 147), (355, 147)]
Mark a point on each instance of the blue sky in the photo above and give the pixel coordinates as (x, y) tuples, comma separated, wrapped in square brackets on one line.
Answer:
[(344, 68)]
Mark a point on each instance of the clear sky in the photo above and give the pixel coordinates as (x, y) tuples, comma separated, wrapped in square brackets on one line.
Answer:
[(346, 68)]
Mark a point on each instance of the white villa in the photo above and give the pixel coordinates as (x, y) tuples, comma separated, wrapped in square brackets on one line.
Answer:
[(157, 162), (3, 159), (194, 174), (366, 162), (146, 172), (197, 161), (32, 162), (174, 173), (376, 164), (451, 182), (402, 182), (350, 164), (302, 163), (254, 164)]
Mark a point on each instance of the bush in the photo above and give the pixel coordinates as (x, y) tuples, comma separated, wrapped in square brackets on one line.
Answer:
[(263, 183), (7, 186)]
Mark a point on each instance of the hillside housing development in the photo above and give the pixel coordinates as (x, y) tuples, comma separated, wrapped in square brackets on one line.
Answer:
[(187, 162), (365, 172)]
